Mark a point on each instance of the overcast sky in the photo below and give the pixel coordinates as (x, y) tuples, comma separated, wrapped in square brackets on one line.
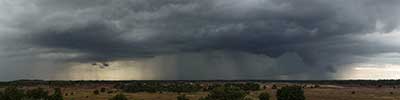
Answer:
[(199, 39)]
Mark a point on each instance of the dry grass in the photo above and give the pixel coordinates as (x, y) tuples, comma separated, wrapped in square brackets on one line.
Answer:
[(82, 94), (311, 94), (336, 93)]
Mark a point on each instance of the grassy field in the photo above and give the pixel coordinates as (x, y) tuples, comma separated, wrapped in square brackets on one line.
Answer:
[(311, 94), (322, 93), (346, 94)]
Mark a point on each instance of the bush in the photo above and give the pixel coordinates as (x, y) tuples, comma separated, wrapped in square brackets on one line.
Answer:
[(317, 86), (57, 95), (290, 93), (96, 92), (274, 87), (12, 93), (182, 97), (119, 96), (38, 93), (102, 90), (263, 96), (226, 93)]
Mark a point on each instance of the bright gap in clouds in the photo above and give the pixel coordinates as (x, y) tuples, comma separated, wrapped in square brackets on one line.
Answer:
[(376, 72), (384, 65), (119, 71)]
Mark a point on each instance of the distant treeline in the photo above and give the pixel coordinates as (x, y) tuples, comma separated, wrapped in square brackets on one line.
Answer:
[(180, 87), (158, 87), (331, 82)]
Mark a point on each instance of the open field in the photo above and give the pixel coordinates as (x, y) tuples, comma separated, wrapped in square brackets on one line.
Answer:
[(322, 92), (311, 94)]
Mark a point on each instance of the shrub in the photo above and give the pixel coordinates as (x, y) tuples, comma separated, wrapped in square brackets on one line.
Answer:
[(290, 93), (103, 90), (12, 93), (226, 93), (263, 96), (317, 86), (119, 96), (274, 86), (96, 92), (1, 95), (38, 93), (57, 95), (182, 97)]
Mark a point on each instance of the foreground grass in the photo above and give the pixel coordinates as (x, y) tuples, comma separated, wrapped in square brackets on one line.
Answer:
[(311, 94), (344, 93)]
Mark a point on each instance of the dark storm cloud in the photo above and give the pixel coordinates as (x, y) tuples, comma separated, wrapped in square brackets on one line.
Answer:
[(319, 32), (105, 26)]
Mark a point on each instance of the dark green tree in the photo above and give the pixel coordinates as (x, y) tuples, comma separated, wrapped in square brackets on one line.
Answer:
[(119, 96), (12, 93), (1, 95), (102, 90), (37, 94), (290, 93), (226, 93), (57, 95), (263, 96), (274, 87), (96, 92), (317, 86)]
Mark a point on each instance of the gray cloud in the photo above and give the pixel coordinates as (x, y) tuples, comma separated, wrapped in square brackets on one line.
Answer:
[(299, 34)]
